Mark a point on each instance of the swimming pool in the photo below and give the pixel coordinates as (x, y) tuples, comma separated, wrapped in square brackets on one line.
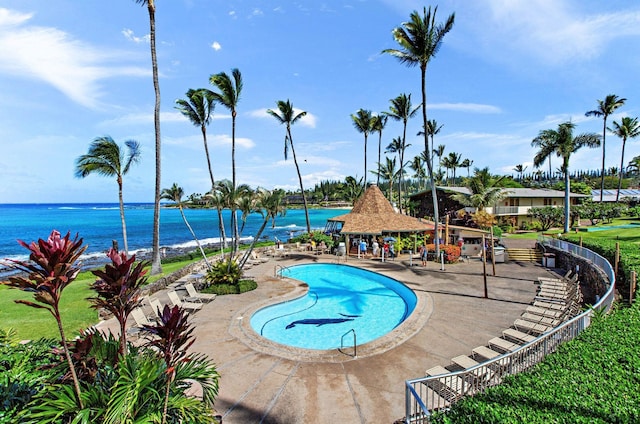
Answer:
[(340, 298), (609, 227)]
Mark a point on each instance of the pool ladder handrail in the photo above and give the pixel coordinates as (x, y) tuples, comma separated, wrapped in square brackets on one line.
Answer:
[(355, 338), (278, 269)]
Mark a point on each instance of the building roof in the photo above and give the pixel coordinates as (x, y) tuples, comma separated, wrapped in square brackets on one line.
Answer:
[(610, 195), (515, 192), (373, 214)]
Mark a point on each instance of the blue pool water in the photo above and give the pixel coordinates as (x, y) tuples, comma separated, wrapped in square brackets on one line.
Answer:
[(611, 227), (340, 298)]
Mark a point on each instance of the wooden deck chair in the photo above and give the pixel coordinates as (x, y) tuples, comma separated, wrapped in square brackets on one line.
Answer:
[(175, 301), (519, 336), (448, 387), (156, 307), (196, 296)]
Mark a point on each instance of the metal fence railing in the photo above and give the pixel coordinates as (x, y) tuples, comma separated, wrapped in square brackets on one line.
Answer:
[(432, 393)]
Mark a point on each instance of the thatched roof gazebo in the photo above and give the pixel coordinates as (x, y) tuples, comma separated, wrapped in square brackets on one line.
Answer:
[(373, 215)]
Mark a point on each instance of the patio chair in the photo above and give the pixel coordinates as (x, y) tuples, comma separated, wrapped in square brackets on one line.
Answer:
[(196, 296), (175, 301)]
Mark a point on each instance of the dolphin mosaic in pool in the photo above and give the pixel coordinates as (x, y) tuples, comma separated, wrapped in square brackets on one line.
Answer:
[(340, 299), (318, 321)]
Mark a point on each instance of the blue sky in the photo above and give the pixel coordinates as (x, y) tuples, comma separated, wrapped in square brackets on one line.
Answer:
[(71, 71)]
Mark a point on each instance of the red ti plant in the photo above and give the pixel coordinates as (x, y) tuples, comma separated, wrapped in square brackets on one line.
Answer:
[(118, 288), (52, 266), (172, 340)]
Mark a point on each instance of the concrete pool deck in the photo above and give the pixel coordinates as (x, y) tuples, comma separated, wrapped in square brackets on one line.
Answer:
[(262, 382)]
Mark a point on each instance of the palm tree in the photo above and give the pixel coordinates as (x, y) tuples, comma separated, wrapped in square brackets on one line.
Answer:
[(605, 108), (432, 129), (417, 165), (634, 165), (438, 151), (563, 144), (106, 158), (454, 163), (288, 116), (388, 172), (198, 108), (175, 194), (520, 170), (363, 121), (270, 205), (419, 40), (484, 189), (627, 128), (398, 146), (229, 96), (467, 164), (401, 110), (352, 189), (156, 265), (544, 146), (380, 121)]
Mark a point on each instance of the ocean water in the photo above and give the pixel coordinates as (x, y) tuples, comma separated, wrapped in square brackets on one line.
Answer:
[(99, 224)]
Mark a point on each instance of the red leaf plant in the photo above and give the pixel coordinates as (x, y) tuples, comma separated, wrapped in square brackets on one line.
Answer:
[(52, 266), (118, 288)]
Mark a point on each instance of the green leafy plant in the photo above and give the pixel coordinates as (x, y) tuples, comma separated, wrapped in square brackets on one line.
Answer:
[(224, 272), (52, 266)]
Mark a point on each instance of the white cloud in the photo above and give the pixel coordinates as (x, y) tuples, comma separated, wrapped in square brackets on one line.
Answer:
[(129, 35), (147, 118), (216, 46), (465, 107), (52, 56), (224, 140), (257, 12), (554, 32)]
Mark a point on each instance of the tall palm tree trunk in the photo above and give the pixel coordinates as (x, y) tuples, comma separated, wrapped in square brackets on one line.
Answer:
[(234, 218), (184, 218), (604, 135), (156, 265), (624, 140), (379, 156), (567, 189), (304, 197), (221, 229), (124, 225), (365, 163), (434, 193), (247, 254)]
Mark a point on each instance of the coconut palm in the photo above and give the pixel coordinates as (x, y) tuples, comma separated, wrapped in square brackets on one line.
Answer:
[(485, 190), (520, 170), (174, 194), (432, 129), (270, 205), (352, 189), (398, 146), (417, 165), (402, 110), (625, 129), (380, 121), (563, 144), (454, 163), (388, 172), (605, 108), (544, 146), (288, 116), (467, 164), (198, 108), (229, 96), (419, 40), (156, 265), (634, 166), (105, 157), (363, 121)]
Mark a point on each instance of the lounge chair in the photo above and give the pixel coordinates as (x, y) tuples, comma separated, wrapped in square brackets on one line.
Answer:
[(503, 344), (156, 307), (196, 296), (519, 336), (485, 352), (175, 301)]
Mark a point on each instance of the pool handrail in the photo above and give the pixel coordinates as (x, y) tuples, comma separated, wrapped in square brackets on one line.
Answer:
[(355, 343), (420, 396)]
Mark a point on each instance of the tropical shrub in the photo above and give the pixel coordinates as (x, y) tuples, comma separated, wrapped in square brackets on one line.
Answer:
[(317, 236), (224, 272), (222, 289), (547, 216)]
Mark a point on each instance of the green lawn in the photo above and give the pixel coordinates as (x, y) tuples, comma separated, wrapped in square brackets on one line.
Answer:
[(32, 323)]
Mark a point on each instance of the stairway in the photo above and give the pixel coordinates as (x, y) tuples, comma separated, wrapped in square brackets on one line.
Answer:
[(524, 255)]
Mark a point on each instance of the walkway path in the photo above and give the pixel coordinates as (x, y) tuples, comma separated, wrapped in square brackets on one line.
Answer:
[(263, 384)]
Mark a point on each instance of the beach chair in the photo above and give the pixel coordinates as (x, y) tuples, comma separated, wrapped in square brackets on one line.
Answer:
[(519, 336), (156, 307), (503, 344), (140, 319), (196, 296), (449, 387), (176, 301)]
